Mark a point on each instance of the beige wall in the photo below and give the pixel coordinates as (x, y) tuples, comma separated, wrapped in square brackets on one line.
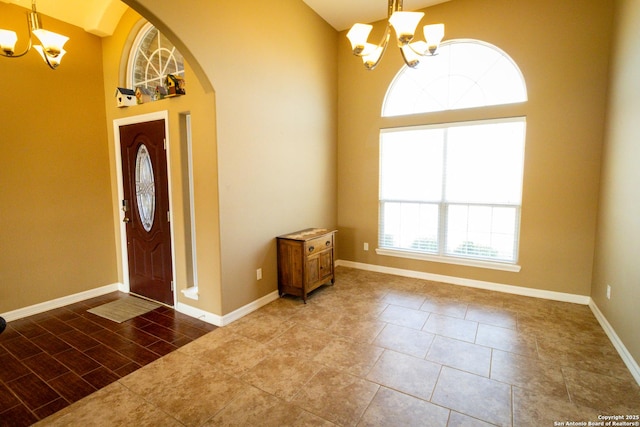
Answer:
[(618, 246), (274, 74), (56, 227), (271, 126), (556, 45), (200, 103)]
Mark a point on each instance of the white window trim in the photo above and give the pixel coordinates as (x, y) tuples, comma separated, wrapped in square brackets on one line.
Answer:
[(440, 124), (398, 253), (452, 42), (451, 259), (142, 33), (191, 292), (132, 54), (512, 113)]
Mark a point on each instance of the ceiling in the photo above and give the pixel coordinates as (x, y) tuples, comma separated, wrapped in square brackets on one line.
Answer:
[(100, 17), (342, 14)]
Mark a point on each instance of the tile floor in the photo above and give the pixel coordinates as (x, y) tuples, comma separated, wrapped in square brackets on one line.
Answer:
[(53, 359), (376, 350)]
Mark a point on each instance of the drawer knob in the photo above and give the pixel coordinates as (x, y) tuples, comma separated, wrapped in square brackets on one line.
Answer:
[(311, 248), (328, 242)]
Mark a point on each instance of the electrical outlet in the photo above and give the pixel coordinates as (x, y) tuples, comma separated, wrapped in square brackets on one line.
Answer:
[(366, 246), (259, 274), (608, 291)]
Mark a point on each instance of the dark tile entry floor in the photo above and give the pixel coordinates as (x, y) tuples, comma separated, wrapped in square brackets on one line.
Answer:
[(52, 359)]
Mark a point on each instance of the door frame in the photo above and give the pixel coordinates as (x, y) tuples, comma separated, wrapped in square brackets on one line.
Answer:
[(117, 123)]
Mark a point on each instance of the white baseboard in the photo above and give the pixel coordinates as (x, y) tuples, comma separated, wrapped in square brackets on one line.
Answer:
[(197, 313), (59, 302), (252, 306), (218, 320), (509, 289), (627, 358)]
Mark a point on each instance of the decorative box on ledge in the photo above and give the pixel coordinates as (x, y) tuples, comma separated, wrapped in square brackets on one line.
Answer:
[(305, 261), (172, 85), (125, 97), (175, 85), (144, 94)]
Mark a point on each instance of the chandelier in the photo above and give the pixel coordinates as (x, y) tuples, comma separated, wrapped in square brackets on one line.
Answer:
[(51, 43), (404, 24)]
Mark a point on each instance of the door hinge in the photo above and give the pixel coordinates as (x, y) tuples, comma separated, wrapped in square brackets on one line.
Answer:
[(164, 141), (168, 216), (173, 286)]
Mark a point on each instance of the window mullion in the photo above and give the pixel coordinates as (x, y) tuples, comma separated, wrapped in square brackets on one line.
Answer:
[(141, 69), (442, 217)]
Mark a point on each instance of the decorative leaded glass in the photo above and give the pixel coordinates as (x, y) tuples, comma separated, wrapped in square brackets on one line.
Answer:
[(152, 57), (145, 188)]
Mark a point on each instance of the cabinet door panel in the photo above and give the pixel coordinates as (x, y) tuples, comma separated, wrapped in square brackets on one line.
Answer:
[(313, 269), (326, 264), (290, 271)]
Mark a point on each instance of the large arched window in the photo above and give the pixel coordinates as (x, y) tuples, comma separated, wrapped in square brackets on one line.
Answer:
[(464, 74), (452, 192), (152, 57)]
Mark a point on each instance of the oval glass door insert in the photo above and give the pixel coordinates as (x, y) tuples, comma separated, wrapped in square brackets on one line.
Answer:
[(145, 188)]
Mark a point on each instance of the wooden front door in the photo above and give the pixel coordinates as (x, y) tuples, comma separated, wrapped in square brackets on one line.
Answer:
[(146, 206)]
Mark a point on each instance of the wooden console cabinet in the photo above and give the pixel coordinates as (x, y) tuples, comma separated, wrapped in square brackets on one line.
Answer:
[(305, 261)]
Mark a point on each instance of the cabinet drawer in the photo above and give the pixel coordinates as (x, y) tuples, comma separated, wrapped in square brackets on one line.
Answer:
[(319, 244)]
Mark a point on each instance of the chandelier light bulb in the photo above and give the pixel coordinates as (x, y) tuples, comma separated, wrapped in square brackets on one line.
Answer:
[(358, 35), (51, 42), (8, 41), (433, 34), (51, 49), (404, 25)]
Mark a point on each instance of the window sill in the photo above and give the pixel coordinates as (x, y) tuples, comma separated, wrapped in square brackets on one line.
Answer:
[(191, 293), (450, 260)]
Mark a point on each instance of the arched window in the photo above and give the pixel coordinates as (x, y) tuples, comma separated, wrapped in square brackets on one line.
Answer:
[(464, 74), (152, 57), (452, 192)]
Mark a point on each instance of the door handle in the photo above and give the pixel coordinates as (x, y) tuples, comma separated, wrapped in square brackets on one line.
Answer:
[(125, 208)]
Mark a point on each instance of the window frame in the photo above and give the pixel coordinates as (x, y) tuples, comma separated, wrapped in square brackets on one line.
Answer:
[(452, 117), (451, 43), (133, 53)]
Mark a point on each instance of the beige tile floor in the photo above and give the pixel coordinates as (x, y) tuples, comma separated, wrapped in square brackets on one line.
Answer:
[(380, 350)]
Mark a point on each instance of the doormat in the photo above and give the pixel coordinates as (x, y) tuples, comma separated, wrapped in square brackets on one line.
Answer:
[(124, 309)]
